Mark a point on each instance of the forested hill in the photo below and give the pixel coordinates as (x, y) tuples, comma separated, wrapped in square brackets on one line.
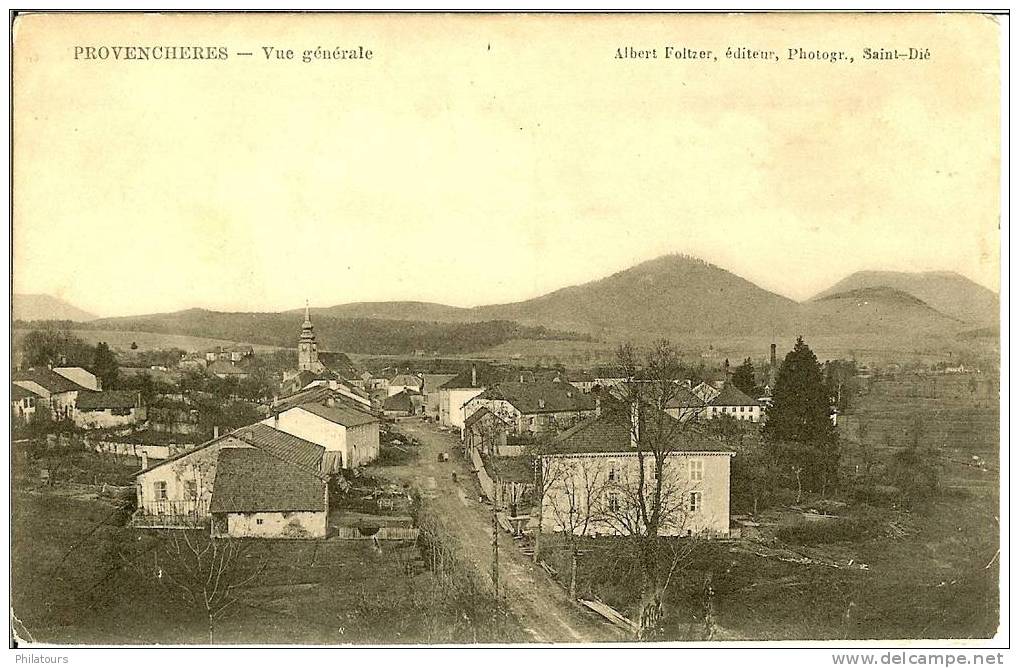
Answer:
[(356, 335)]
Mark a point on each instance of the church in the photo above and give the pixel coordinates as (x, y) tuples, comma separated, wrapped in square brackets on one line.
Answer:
[(322, 368)]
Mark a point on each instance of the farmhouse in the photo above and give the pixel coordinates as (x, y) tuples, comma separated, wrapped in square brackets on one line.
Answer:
[(112, 408), (177, 492), (404, 404), (685, 405), (402, 382), (486, 432), (58, 393), (534, 408), (430, 384), (350, 436), (463, 387), (23, 403), (258, 495), (594, 475), (80, 376), (224, 368), (734, 403)]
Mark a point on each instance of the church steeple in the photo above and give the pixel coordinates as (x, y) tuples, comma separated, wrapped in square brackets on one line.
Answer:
[(307, 348)]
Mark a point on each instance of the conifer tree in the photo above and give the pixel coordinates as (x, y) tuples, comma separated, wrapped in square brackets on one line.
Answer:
[(743, 378)]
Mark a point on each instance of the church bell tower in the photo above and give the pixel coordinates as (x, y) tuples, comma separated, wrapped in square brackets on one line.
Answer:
[(307, 349)]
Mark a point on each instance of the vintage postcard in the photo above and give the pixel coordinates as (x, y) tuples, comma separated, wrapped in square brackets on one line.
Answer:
[(546, 328)]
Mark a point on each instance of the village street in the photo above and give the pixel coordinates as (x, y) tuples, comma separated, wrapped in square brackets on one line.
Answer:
[(543, 607)]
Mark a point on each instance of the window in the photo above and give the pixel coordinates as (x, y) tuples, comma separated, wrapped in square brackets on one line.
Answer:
[(159, 487), (259, 521), (613, 475), (191, 487), (696, 469), (613, 503), (695, 502), (740, 409)]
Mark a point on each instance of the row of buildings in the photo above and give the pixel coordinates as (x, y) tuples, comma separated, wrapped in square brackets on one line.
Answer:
[(75, 394)]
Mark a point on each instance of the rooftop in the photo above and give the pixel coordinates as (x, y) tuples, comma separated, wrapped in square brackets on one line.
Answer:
[(249, 480), (109, 399), (48, 379), (611, 432), (540, 397), (730, 395), (341, 415)]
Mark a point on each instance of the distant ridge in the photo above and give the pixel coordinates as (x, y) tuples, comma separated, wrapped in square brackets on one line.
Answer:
[(945, 291), (29, 307)]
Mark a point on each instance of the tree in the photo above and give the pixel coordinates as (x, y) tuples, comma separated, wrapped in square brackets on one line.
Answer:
[(799, 428), (204, 573), (579, 501), (104, 366), (743, 378), (42, 347), (653, 502), (548, 477)]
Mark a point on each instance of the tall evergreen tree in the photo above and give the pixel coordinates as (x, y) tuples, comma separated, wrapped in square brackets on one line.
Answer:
[(799, 427), (105, 367), (743, 378)]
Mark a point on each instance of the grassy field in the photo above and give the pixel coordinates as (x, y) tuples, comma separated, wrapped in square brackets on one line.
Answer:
[(119, 340)]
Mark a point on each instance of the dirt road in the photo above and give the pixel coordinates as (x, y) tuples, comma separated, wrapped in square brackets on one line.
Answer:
[(544, 609)]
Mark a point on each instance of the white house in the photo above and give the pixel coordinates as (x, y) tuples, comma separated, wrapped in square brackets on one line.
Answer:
[(734, 403), (23, 404), (534, 408), (404, 381), (455, 393), (350, 436), (113, 408), (594, 475), (57, 393), (177, 492)]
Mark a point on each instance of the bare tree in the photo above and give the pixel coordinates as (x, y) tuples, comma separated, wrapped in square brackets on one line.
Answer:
[(548, 475), (579, 501), (655, 501), (203, 572)]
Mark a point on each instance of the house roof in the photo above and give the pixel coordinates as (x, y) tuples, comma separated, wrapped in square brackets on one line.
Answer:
[(730, 395), (249, 480), (512, 469), (18, 393), (406, 379), (109, 399), (48, 379), (307, 395), (682, 397), (401, 401), (486, 377), (611, 432), (284, 446), (540, 397), (341, 415), (433, 381), (478, 415)]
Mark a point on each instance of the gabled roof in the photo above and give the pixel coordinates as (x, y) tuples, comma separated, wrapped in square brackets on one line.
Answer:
[(512, 469), (109, 399), (341, 415), (684, 398), (611, 432), (48, 379), (18, 393), (284, 446), (479, 415), (249, 480), (730, 395), (487, 376), (541, 397), (307, 395), (401, 401), (406, 379)]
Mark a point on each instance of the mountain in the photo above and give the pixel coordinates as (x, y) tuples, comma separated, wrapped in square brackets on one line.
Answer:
[(425, 311), (671, 295), (877, 310), (945, 291), (44, 307)]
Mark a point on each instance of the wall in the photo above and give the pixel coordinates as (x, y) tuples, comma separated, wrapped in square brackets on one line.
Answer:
[(101, 419), (311, 427), (198, 467), (591, 471), (745, 413), (451, 405), (277, 525), (363, 441)]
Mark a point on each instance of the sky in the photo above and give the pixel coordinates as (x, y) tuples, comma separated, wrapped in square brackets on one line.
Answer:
[(489, 159)]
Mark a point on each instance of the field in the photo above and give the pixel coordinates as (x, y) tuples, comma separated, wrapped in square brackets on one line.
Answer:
[(119, 340)]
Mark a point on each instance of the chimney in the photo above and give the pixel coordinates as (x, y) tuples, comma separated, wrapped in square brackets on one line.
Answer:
[(725, 369), (474, 375), (597, 406), (145, 461), (215, 431), (521, 379), (634, 424), (773, 356)]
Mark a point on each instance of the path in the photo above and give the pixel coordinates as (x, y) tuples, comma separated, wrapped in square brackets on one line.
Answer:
[(542, 606)]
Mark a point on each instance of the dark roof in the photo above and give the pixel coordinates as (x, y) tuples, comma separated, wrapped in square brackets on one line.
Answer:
[(611, 432), (486, 377), (541, 397), (249, 480), (478, 415), (730, 395), (18, 393), (400, 402), (109, 399), (341, 415), (684, 398), (433, 381), (512, 469), (338, 362), (282, 445), (307, 395), (49, 379), (580, 376), (406, 379)]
